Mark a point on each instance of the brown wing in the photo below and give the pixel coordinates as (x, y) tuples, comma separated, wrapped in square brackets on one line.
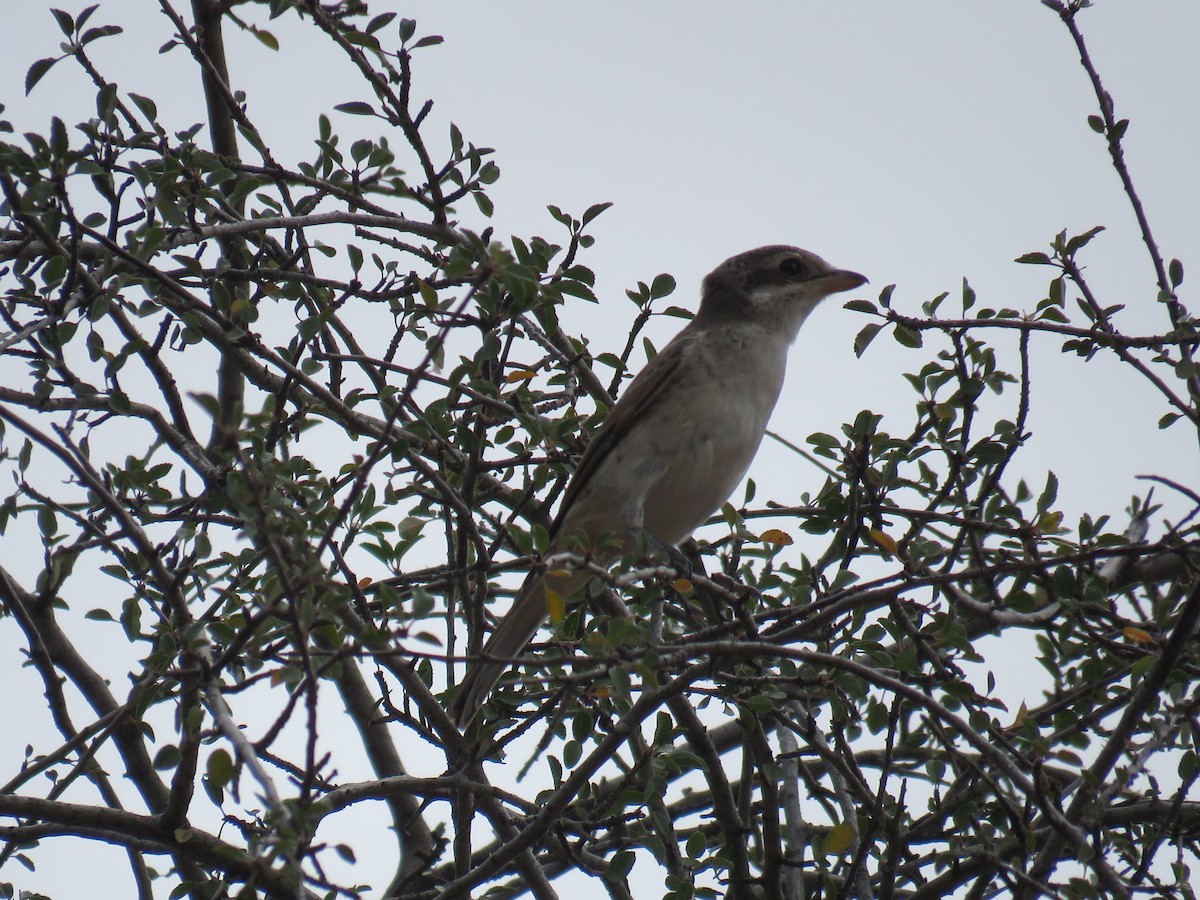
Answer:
[(645, 391)]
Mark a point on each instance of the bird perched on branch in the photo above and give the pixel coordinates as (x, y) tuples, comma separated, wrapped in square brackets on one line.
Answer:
[(681, 436)]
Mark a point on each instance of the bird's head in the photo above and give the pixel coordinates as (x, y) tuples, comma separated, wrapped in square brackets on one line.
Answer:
[(776, 286)]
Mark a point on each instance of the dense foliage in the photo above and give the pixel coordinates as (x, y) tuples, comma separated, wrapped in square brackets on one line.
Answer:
[(277, 425)]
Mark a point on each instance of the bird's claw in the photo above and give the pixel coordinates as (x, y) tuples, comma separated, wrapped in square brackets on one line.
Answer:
[(681, 564)]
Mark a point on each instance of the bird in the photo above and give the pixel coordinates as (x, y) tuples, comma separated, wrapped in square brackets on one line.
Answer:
[(678, 440)]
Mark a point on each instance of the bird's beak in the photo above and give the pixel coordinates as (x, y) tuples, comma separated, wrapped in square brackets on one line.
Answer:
[(842, 280)]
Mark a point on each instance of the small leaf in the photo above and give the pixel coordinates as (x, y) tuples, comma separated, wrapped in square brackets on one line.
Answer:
[(93, 34), (1175, 273), (883, 540), (555, 605), (430, 40), (906, 337), (1138, 635), (838, 839), (1050, 523), (1021, 716), (65, 23), (379, 21), (520, 375), (219, 768), (1036, 258), (37, 70), (267, 39), (356, 108), (662, 286), (862, 306), (81, 20), (864, 338), (1096, 124), (593, 211), (167, 758), (1080, 240), (776, 537), (620, 864), (146, 105)]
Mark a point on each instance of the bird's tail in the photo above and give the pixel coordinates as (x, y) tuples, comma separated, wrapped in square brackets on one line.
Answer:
[(517, 629)]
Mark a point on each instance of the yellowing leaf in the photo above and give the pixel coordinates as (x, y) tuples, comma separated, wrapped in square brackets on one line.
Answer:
[(365, 581), (838, 839), (1137, 635), (519, 375), (776, 537), (883, 541), (1022, 715), (555, 606), (683, 585), (1050, 522)]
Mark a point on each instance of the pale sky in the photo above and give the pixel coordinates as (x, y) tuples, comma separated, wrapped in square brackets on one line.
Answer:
[(916, 142)]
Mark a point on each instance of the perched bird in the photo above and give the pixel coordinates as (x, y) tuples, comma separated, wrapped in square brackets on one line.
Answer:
[(681, 436)]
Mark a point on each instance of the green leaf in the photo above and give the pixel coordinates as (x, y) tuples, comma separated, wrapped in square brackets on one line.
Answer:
[(167, 758), (1036, 258), (1175, 272), (907, 337), (838, 839), (1096, 124), (37, 70), (65, 23), (380, 21), (1080, 240), (267, 39), (430, 40), (118, 402), (356, 108), (146, 105), (593, 211), (93, 34), (620, 865), (862, 306), (219, 768), (662, 286), (47, 522), (408, 27), (865, 336), (1049, 494), (968, 295)]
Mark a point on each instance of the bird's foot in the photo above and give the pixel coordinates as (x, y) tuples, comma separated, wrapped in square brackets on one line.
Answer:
[(681, 564)]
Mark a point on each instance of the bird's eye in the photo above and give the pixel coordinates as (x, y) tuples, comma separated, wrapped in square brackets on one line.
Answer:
[(791, 267)]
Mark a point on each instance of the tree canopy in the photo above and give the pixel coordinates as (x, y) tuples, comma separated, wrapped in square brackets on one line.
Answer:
[(280, 433)]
